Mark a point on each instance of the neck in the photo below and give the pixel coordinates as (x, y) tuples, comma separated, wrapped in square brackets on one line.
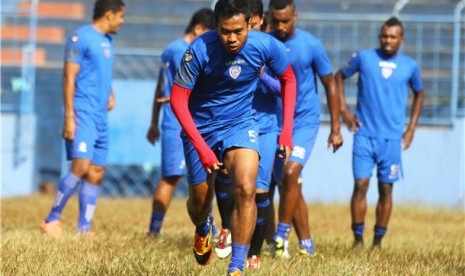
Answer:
[(189, 37), (100, 26)]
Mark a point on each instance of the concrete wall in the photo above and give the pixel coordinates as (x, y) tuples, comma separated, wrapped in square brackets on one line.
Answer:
[(434, 169), (18, 154)]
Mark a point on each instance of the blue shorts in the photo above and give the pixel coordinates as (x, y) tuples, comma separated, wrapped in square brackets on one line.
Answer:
[(370, 152), (90, 139), (172, 162), (267, 149), (304, 139), (243, 135)]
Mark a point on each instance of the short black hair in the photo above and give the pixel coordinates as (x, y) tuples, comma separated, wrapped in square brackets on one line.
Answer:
[(256, 7), (266, 21), (280, 4), (204, 17), (102, 6), (391, 22), (229, 8)]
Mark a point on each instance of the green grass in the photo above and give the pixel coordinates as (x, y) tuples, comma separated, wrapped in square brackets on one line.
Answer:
[(420, 241)]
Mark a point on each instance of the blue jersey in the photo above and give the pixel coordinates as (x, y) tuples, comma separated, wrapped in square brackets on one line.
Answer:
[(93, 52), (171, 57), (265, 106), (383, 91), (222, 83), (307, 58)]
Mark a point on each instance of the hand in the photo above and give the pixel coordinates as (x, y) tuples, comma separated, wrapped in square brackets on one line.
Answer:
[(335, 139), (284, 152), (163, 100), (407, 138), (209, 161), (111, 102), (351, 121), (153, 134), (214, 167), (69, 128)]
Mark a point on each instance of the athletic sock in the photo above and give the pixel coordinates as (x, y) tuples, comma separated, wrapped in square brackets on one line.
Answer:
[(87, 202), (224, 199), (263, 214), (66, 188), (156, 222), (282, 230), (358, 228), (204, 228), (239, 251), (379, 234)]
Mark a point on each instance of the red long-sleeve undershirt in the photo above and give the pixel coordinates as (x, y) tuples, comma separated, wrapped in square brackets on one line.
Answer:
[(179, 104)]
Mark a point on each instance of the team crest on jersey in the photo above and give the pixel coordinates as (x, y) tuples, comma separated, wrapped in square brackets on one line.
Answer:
[(394, 173), (74, 38), (235, 71), (386, 72), (107, 53), (188, 56)]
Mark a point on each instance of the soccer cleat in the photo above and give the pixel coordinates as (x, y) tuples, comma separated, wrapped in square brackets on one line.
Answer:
[(277, 246), (307, 250), (253, 263), (223, 247), (202, 248), (52, 228), (236, 272), (357, 245), (86, 234)]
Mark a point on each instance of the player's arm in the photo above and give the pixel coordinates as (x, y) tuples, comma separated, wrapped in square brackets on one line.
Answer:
[(288, 95), (70, 73), (153, 134), (179, 104), (349, 118), (417, 106), (335, 138), (272, 83)]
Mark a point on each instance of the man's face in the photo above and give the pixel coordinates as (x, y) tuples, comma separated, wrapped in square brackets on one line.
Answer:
[(390, 39), (255, 22), (233, 32), (282, 21), (116, 19)]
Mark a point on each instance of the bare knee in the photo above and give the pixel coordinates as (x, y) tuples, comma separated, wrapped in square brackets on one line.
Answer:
[(95, 174), (361, 187)]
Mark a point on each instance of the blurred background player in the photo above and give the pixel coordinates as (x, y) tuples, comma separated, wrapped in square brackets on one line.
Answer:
[(212, 99), (88, 96), (378, 124), (173, 163), (308, 59)]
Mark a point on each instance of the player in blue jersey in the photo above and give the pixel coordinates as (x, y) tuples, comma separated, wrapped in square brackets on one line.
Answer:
[(264, 104), (173, 164), (308, 59), (378, 123), (212, 99), (88, 96)]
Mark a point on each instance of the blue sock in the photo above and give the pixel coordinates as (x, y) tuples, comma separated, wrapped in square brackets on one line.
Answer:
[(282, 230), (307, 244), (204, 228), (239, 251), (215, 231), (358, 228), (155, 222), (66, 188), (87, 201), (380, 231)]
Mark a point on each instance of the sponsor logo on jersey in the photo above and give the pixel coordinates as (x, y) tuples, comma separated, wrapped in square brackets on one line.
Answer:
[(235, 71), (387, 68)]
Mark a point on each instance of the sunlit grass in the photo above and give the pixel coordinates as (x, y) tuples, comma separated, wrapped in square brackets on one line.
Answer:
[(420, 241)]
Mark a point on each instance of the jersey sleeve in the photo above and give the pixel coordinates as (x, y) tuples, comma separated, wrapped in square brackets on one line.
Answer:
[(352, 67), (75, 49), (415, 81), (276, 60), (190, 66), (321, 62)]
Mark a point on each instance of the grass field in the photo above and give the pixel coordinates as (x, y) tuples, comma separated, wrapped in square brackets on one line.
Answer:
[(420, 241)]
